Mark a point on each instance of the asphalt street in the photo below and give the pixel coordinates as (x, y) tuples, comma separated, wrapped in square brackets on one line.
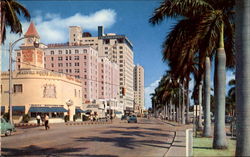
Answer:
[(145, 138)]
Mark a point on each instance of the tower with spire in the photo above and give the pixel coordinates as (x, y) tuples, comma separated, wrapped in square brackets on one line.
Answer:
[(28, 56)]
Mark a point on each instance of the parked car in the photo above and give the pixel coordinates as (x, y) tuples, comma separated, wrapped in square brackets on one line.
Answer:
[(6, 127), (132, 119)]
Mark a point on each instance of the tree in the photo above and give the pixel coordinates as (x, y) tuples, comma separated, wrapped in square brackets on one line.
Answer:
[(10, 9), (242, 78), (213, 20)]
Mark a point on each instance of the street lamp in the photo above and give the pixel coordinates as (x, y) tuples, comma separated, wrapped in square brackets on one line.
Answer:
[(36, 45)]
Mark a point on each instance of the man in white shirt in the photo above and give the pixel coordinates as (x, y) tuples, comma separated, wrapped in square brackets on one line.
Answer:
[(38, 118)]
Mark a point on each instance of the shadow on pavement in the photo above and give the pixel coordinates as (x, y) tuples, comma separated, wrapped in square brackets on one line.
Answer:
[(124, 142), (141, 133), (35, 150)]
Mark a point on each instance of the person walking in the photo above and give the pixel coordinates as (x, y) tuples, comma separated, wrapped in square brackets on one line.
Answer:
[(38, 118), (46, 122)]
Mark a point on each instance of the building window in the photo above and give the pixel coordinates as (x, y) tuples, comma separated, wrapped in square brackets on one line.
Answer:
[(106, 48), (121, 47), (66, 51), (67, 64), (77, 64), (18, 54), (85, 76), (76, 51), (69, 57), (60, 70), (70, 64), (52, 65), (60, 52), (84, 51), (69, 51), (66, 70), (66, 58), (76, 57), (18, 88), (77, 70), (106, 52), (70, 71), (52, 52), (121, 56), (52, 58), (60, 58), (121, 52), (85, 57), (60, 65)]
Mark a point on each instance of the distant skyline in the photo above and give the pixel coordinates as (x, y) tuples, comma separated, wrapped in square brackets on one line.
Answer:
[(130, 18)]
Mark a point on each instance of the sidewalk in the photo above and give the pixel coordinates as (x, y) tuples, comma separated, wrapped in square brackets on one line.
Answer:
[(178, 147)]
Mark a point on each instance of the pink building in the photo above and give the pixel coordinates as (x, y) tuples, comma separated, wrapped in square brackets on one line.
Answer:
[(99, 76)]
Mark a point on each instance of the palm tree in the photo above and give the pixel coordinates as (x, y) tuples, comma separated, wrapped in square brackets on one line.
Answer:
[(10, 9), (213, 20), (207, 116), (242, 78)]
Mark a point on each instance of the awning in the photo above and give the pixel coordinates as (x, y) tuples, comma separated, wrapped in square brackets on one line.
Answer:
[(18, 108), (2, 108), (78, 110), (47, 109)]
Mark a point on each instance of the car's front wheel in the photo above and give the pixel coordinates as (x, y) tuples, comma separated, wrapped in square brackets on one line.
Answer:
[(8, 133)]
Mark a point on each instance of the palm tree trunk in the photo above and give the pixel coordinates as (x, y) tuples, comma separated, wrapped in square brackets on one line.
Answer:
[(174, 113), (200, 108), (171, 117), (187, 108), (166, 110), (207, 116), (219, 141), (179, 107), (242, 77), (183, 106)]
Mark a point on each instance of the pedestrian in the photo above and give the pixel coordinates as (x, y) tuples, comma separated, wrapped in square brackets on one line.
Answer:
[(38, 118), (46, 122)]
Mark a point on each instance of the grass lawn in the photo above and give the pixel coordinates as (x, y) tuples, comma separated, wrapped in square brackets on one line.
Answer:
[(203, 147)]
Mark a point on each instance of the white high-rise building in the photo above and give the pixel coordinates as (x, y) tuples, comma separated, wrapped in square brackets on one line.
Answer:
[(119, 50), (139, 89)]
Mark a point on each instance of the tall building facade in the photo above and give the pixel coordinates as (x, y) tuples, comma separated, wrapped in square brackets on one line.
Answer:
[(99, 76), (118, 49), (139, 89)]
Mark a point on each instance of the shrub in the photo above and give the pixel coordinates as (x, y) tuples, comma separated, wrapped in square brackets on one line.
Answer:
[(66, 118), (26, 118)]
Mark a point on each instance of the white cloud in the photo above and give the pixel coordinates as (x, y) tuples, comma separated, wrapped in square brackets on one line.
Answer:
[(148, 90)]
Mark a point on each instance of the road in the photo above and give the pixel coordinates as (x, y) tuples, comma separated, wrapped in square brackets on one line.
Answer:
[(145, 138)]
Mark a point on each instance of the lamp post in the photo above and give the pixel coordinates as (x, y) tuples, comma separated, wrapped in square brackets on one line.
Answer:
[(36, 44)]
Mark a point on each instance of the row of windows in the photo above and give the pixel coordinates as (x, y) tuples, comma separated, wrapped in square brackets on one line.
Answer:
[(52, 52)]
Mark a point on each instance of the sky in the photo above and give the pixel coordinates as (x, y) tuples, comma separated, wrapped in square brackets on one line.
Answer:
[(127, 17)]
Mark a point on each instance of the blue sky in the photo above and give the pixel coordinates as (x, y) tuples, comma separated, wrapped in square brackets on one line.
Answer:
[(130, 18)]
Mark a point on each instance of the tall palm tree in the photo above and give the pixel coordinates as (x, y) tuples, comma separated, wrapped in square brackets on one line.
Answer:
[(10, 10), (207, 116), (213, 20), (242, 78)]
